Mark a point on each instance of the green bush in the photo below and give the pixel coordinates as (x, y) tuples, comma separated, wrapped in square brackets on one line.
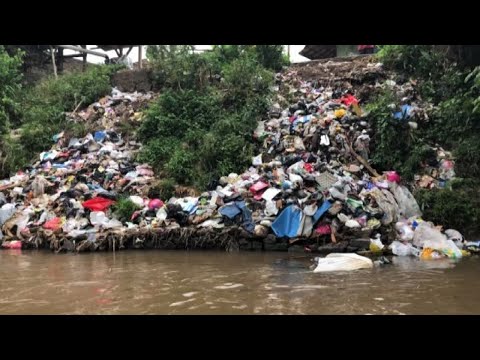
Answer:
[(271, 57), (165, 189), (394, 145), (201, 127), (10, 87), (124, 208), (41, 112), (457, 207), (453, 124)]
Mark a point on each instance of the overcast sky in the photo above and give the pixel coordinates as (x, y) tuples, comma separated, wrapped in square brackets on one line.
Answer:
[(294, 53)]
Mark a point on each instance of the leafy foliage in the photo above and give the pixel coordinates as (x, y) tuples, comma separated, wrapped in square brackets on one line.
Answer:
[(201, 126)]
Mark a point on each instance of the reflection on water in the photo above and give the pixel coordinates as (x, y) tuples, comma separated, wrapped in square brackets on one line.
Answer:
[(162, 282)]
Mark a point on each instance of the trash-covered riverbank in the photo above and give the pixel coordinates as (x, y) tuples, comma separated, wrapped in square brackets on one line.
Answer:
[(310, 188)]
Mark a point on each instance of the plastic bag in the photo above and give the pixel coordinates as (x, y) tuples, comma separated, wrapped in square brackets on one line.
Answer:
[(337, 194), (393, 176), (325, 140), (98, 204), (155, 204), (98, 218), (21, 223), (352, 224), (53, 224), (373, 224), (296, 179), (446, 247), (161, 214), (406, 233), (12, 244), (376, 245), (271, 208), (296, 168), (6, 212), (401, 249), (406, 202), (342, 262), (430, 254), (424, 232), (257, 160), (298, 143), (454, 235), (137, 200)]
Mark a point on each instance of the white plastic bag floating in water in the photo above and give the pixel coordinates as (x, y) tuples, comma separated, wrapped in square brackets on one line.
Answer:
[(343, 262), (401, 249)]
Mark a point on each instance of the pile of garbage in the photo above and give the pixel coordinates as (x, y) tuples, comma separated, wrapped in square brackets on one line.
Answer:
[(71, 187), (311, 184), (438, 170)]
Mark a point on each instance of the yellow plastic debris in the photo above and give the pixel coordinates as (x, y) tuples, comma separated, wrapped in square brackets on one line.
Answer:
[(340, 113)]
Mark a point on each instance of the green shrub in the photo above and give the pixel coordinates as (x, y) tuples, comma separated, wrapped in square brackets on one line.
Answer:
[(124, 208), (165, 189), (457, 207), (200, 128), (10, 87), (41, 111)]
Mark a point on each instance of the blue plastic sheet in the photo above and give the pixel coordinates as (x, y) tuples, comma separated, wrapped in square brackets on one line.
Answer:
[(404, 114), (288, 222)]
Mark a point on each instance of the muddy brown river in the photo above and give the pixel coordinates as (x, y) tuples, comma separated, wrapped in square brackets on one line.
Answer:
[(163, 282)]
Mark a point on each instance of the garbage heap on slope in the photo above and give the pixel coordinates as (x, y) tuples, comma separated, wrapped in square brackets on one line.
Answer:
[(311, 183)]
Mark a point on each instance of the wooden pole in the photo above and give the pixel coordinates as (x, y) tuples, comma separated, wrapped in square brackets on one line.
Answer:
[(53, 62), (60, 60), (84, 62), (140, 57)]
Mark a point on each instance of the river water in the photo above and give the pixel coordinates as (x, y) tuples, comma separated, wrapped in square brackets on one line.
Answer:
[(176, 282)]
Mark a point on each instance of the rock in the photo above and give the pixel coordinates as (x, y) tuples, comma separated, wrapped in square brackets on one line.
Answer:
[(296, 249), (360, 243), (340, 246), (275, 247), (270, 239)]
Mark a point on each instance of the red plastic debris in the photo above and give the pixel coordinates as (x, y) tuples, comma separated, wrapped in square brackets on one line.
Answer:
[(98, 204)]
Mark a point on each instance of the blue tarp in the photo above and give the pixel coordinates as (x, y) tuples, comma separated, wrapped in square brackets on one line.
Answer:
[(247, 216), (230, 210), (233, 209), (288, 222), (321, 210)]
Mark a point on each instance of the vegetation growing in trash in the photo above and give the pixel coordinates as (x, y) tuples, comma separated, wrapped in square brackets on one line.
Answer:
[(124, 209), (454, 123), (40, 110), (457, 207), (201, 126)]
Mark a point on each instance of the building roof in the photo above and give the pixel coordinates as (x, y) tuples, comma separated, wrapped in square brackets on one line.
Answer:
[(113, 47), (314, 52)]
